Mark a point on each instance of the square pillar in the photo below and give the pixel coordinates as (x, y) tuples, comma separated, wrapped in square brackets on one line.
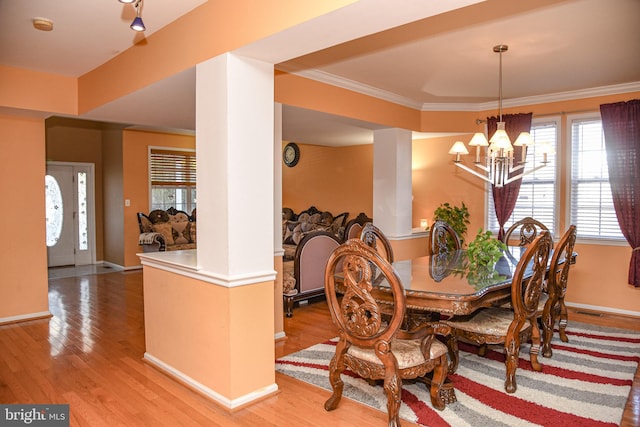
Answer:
[(212, 325), (392, 186)]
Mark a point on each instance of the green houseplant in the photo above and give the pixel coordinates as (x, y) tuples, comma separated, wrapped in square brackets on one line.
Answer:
[(484, 250), (456, 216)]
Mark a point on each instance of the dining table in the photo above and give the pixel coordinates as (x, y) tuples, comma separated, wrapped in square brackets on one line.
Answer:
[(443, 284)]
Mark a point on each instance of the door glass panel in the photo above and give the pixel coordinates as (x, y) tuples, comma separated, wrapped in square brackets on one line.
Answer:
[(54, 210), (83, 244)]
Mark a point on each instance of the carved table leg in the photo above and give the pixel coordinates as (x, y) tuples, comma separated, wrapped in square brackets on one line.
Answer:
[(447, 392)]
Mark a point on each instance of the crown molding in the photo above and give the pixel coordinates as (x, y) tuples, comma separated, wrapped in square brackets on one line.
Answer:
[(538, 99), (332, 79), (354, 86)]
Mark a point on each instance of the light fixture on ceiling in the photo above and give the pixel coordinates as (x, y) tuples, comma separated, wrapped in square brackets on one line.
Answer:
[(43, 24), (137, 24), (498, 163)]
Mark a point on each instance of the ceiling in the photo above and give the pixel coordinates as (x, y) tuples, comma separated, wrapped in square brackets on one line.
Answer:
[(558, 49)]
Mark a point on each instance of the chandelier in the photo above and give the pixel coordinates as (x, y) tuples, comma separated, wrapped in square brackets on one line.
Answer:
[(498, 163)]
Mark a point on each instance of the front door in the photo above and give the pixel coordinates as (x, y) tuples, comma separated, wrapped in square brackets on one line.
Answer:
[(69, 214)]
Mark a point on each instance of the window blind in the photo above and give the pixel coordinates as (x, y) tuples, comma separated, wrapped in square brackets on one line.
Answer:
[(592, 208), (172, 168)]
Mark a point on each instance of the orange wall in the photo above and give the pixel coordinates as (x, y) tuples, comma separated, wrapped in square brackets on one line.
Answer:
[(599, 278), (331, 179), (211, 333), (113, 199), (305, 93), (435, 181), (135, 179), (23, 264), (31, 90)]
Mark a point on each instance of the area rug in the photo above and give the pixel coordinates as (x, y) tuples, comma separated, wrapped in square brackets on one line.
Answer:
[(585, 383)]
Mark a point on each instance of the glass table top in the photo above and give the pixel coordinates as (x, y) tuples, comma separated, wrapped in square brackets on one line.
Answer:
[(449, 273)]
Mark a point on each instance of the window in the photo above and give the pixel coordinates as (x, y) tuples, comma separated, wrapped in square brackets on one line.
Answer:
[(537, 197), (173, 179), (592, 208)]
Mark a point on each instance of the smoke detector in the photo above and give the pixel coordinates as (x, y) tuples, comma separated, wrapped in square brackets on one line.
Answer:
[(43, 24)]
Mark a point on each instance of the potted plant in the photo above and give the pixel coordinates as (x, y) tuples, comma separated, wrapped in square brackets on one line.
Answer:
[(484, 250), (456, 216)]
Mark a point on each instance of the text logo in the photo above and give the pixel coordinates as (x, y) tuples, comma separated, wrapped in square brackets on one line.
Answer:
[(34, 415)]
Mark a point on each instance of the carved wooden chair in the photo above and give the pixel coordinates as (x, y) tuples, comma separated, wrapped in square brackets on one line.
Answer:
[(354, 226), (527, 230), (557, 280), (375, 238), (444, 238), (375, 349), (509, 326)]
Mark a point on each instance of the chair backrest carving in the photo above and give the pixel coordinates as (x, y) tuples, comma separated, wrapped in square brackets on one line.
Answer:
[(528, 229), (373, 237), (560, 262), (444, 238), (357, 314), (525, 294)]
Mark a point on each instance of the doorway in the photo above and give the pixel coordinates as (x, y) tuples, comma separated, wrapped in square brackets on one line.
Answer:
[(70, 214)]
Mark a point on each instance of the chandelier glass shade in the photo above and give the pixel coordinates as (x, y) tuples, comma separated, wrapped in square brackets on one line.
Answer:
[(497, 163)]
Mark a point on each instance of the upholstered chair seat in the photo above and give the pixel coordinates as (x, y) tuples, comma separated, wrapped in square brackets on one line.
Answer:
[(408, 353), (491, 321)]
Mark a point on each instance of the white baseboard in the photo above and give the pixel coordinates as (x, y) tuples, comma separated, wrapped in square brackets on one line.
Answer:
[(118, 266), (604, 309), (206, 391), (25, 317)]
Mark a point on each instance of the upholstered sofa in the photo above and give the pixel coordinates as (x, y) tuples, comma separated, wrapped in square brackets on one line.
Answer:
[(169, 230), (308, 240), (296, 226)]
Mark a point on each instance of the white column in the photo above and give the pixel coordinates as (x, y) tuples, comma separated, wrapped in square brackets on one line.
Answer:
[(392, 203), (277, 180), (234, 142)]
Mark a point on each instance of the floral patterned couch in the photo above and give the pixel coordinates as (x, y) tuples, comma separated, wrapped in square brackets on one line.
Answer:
[(308, 239), (169, 230)]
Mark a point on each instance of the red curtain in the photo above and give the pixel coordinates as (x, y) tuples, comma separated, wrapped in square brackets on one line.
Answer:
[(505, 198), (621, 125)]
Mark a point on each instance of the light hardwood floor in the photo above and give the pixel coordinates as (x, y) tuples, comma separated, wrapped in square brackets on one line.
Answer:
[(90, 356)]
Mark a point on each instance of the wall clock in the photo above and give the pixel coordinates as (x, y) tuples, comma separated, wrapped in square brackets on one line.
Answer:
[(291, 154)]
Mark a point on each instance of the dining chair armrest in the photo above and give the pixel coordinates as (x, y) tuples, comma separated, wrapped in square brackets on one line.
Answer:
[(426, 333), (429, 328)]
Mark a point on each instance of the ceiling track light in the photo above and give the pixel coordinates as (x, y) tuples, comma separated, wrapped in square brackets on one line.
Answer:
[(137, 24)]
